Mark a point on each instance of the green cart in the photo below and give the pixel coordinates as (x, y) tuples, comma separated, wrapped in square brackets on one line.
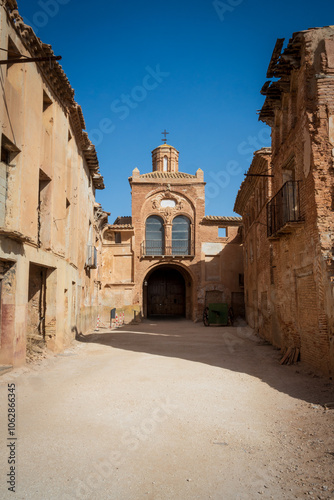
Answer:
[(216, 315)]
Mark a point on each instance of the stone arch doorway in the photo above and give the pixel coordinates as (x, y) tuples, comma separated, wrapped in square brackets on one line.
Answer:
[(167, 292)]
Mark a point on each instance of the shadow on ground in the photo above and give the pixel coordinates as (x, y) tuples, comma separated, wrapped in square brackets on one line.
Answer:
[(230, 348)]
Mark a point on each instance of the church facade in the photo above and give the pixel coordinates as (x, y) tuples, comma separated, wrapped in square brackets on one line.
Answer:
[(168, 258)]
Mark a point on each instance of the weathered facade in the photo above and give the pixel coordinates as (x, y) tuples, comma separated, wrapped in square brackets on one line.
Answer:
[(169, 258), (288, 218), (49, 221)]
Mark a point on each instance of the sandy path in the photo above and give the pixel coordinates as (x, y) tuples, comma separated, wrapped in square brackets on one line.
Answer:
[(169, 410)]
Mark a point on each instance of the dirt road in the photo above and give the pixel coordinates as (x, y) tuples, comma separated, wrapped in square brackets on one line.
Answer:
[(168, 411)]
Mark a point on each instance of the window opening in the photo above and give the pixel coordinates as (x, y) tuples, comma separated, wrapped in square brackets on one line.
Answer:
[(222, 232), (46, 101), (8, 150), (181, 235), (154, 235), (13, 52), (43, 209)]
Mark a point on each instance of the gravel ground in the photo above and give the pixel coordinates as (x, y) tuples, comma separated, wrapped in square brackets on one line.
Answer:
[(168, 410)]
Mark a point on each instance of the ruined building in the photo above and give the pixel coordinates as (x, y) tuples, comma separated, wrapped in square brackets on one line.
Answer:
[(62, 264), (49, 221), (169, 258), (287, 203)]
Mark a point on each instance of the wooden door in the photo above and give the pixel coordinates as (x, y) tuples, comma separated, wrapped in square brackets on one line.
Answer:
[(166, 293)]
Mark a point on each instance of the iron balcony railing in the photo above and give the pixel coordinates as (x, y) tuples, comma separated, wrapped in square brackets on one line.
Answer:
[(154, 248), (283, 208), (179, 247)]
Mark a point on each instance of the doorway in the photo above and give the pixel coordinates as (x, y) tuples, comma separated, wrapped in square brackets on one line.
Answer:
[(42, 306), (36, 302), (166, 293)]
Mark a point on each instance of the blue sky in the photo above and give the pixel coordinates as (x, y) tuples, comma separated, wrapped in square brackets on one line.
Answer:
[(192, 67)]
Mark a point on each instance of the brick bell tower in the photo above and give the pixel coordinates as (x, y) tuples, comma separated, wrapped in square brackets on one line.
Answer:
[(165, 158)]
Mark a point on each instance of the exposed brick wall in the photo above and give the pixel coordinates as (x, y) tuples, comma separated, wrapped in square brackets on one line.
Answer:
[(295, 266)]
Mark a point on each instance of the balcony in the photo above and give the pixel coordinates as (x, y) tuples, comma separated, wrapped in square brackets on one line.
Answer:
[(169, 248), (283, 210)]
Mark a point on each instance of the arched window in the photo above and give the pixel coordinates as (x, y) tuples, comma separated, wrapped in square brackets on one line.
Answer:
[(154, 235), (165, 164), (181, 235)]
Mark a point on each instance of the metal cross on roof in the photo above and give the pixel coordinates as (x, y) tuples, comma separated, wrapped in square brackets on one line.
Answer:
[(165, 134)]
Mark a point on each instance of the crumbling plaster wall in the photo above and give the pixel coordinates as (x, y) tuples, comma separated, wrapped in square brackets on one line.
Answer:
[(50, 194)]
